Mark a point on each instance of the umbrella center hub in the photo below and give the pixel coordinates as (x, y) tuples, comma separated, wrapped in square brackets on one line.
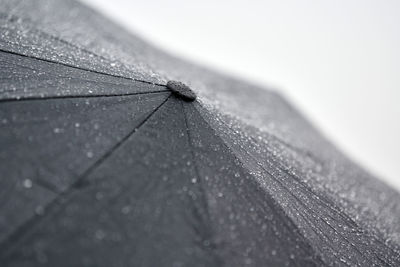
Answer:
[(181, 90)]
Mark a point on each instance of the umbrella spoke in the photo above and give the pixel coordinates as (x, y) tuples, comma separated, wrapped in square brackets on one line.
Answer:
[(11, 241), (11, 19), (202, 206), (115, 153), (134, 203), (26, 22), (80, 96), (77, 67), (51, 80), (244, 216), (303, 203)]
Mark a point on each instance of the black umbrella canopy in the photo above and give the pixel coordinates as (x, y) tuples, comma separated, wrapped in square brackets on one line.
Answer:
[(103, 164)]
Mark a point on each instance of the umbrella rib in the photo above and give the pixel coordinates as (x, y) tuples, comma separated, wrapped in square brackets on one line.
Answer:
[(196, 169), (33, 98), (283, 168), (294, 148), (50, 36), (286, 169), (8, 245), (116, 146), (333, 208), (79, 68), (236, 157)]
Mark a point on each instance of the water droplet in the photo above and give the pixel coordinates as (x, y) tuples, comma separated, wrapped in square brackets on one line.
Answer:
[(77, 125), (206, 242), (126, 209), (99, 195), (220, 194), (27, 183), (100, 234), (89, 154), (39, 210), (273, 252), (57, 130), (194, 180)]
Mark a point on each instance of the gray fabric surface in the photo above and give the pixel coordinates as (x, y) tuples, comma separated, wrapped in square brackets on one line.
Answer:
[(236, 178)]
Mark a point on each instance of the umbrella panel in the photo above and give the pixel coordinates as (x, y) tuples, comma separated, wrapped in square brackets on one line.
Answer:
[(48, 144)]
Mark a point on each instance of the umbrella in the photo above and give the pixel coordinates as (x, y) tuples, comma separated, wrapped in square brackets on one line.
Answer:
[(114, 153)]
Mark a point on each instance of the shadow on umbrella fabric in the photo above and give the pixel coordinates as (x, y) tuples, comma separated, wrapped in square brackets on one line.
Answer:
[(113, 153)]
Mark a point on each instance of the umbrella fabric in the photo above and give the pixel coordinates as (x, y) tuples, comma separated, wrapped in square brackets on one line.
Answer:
[(102, 164)]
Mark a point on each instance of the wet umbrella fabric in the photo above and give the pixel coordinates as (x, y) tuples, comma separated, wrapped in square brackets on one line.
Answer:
[(103, 165)]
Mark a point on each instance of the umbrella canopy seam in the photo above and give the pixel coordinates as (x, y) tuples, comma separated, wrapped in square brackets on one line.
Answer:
[(332, 205), (79, 96), (80, 68), (309, 189), (275, 202), (12, 18), (206, 209), (8, 245), (285, 168), (117, 168)]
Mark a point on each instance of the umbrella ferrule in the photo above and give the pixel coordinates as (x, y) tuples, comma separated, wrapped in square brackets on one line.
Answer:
[(181, 90)]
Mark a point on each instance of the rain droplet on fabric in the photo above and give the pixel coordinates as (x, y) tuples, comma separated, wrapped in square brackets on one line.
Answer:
[(57, 130), (27, 183)]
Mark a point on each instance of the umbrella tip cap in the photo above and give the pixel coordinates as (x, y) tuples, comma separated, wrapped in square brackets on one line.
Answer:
[(181, 90)]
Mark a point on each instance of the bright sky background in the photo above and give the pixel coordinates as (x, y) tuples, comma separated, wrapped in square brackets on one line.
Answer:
[(337, 61)]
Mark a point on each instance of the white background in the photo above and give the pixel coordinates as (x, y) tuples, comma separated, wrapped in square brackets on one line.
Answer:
[(337, 61)]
